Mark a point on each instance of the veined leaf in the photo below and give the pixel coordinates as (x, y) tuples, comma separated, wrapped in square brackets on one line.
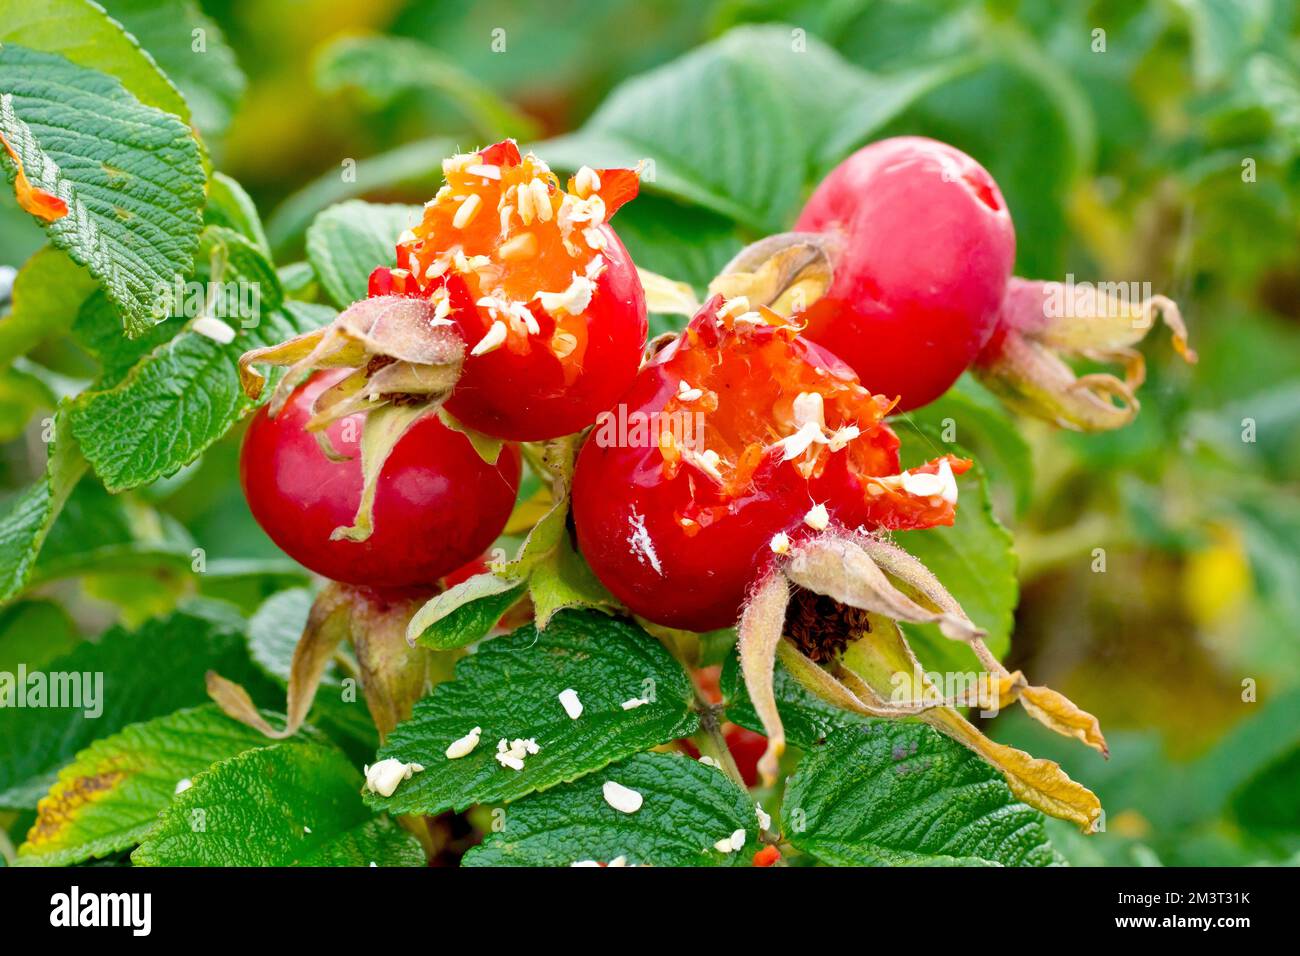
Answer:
[(347, 241), (230, 205), (131, 175), (96, 531), (190, 47), (741, 125), (465, 612), (86, 35), (129, 677), (510, 689), (687, 807), (893, 793), (185, 394), (106, 800), (290, 804)]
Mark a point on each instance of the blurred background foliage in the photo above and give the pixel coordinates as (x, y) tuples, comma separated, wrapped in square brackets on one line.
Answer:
[(1146, 141)]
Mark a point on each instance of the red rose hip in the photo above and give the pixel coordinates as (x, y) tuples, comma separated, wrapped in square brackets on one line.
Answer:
[(922, 246), (437, 505)]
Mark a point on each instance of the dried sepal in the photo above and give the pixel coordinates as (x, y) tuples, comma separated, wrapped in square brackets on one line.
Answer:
[(393, 674), (328, 624), (398, 340), (1039, 782), (875, 673), (1055, 710), (384, 428), (1048, 707), (786, 272), (761, 626), (1041, 323), (666, 296), (840, 567)]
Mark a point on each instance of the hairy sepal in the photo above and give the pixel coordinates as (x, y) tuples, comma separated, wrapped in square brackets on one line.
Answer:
[(878, 675), (1043, 323), (393, 675)]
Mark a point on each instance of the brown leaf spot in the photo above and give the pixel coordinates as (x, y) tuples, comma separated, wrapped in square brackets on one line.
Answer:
[(58, 810)]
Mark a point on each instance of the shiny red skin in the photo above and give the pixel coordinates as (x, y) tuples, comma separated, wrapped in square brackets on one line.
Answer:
[(438, 504), (927, 248), (616, 491), (703, 578), (526, 397)]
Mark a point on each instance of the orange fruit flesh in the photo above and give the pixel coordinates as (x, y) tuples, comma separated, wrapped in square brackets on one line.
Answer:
[(749, 377)]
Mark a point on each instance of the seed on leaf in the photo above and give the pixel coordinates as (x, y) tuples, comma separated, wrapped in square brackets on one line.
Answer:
[(621, 798)]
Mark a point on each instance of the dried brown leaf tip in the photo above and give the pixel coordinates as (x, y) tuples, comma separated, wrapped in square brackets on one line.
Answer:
[(830, 612), (1043, 323)]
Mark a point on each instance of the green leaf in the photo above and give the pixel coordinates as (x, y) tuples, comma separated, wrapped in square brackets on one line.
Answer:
[(808, 720), (287, 805), (230, 205), (979, 422), (209, 78), (29, 514), (386, 67), (23, 393), (973, 559), (654, 229), (86, 35), (465, 612), (891, 793), (347, 241), (96, 531), (106, 800), (1267, 805), (510, 688), (48, 291), (741, 125), (185, 394), (130, 174), (132, 676), (412, 167), (563, 581), (34, 633), (687, 808)]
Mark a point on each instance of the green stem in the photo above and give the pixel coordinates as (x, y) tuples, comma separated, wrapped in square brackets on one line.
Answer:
[(714, 744)]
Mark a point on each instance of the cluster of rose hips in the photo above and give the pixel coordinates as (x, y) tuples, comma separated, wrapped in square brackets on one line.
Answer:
[(551, 313), (761, 466)]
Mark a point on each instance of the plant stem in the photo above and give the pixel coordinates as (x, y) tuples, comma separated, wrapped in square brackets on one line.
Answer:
[(714, 744)]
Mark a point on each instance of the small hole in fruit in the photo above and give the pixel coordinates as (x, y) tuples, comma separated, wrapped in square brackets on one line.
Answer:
[(983, 190)]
